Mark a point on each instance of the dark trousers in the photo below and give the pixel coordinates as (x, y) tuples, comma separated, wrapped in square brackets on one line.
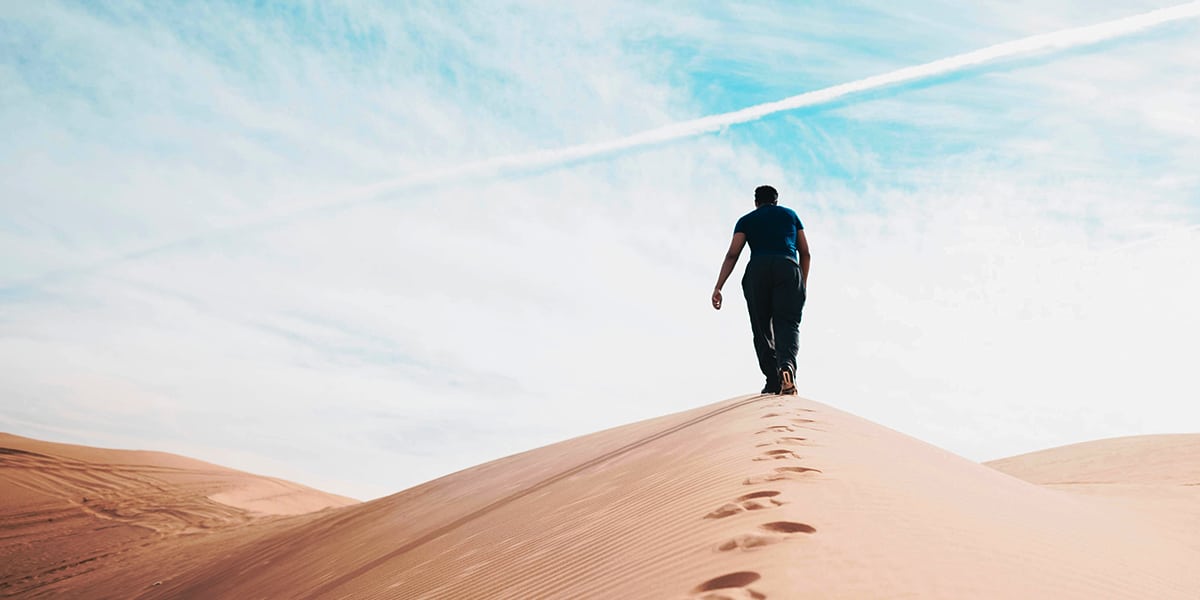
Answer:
[(776, 300)]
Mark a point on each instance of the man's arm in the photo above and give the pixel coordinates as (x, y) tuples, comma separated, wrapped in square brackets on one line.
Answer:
[(731, 257), (805, 257)]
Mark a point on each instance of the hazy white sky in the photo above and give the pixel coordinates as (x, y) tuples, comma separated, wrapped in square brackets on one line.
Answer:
[(1003, 258)]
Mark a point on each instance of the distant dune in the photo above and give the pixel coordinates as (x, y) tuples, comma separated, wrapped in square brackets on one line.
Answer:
[(752, 498), (68, 510)]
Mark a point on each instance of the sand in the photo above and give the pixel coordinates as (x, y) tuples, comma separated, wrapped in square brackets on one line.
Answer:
[(70, 510), (754, 497)]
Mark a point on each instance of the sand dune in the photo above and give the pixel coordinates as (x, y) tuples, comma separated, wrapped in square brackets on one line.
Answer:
[(1148, 459), (755, 497), (1155, 477), (67, 510)]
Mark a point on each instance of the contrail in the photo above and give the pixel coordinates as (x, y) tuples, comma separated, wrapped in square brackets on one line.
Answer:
[(516, 164), (1058, 40)]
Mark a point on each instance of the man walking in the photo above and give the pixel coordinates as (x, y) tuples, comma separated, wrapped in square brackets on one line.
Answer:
[(774, 284)]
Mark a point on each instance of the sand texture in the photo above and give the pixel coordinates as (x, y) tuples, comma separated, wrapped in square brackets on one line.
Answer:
[(67, 510), (751, 498)]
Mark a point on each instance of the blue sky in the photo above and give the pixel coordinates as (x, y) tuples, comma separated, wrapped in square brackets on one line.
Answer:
[(1000, 256)]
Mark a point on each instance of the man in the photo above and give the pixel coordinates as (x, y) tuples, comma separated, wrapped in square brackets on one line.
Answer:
[(774, 285)]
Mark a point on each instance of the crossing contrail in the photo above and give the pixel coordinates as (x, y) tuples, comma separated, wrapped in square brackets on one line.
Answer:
[(528, 162)]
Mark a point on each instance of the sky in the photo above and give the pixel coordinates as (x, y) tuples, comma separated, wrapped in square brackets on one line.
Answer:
[(255, 233)]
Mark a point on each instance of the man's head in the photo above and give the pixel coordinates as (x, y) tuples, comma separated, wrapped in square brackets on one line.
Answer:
[(764, 195)]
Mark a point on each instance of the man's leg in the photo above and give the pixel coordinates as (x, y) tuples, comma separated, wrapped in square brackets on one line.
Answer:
[(787, 308), (757, 290)]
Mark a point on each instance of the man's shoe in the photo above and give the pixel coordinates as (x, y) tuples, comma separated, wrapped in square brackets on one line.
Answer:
[(770, 388), (787, 386)]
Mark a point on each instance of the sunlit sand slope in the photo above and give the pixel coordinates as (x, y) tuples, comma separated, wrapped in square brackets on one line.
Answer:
[(755, 497), (1155, 477), (1147, 459), (69, 510)]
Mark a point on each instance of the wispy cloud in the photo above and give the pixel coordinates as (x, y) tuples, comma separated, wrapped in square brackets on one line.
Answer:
[(987, 249), (535, 161)]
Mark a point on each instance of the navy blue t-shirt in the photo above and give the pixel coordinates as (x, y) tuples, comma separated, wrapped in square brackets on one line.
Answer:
[(770, 230)]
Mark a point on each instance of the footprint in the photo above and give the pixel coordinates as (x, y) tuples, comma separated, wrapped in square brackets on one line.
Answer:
[(780, 474), (749, 541), (757, 479), (805, 424), (777, 455), (788, 527), (774, 414), (726, 510), (760, 500), (729, 587), (796, 470), (787, 440), (774, 533), (777, 429), (762, 494), (747, 502)]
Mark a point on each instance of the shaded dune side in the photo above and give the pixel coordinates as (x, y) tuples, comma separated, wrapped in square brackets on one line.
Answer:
[(68, 510), (756, 497), (69, 470)]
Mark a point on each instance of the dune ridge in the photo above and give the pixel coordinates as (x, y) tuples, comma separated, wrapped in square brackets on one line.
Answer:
[(755, 497)]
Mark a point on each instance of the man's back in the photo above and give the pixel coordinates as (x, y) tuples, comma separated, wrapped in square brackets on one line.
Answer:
[(770, 230)]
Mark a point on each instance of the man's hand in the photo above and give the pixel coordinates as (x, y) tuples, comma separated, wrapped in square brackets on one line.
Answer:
[(731, 256)]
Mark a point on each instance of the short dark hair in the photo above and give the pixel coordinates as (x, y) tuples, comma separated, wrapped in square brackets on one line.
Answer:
[(765, 194)]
